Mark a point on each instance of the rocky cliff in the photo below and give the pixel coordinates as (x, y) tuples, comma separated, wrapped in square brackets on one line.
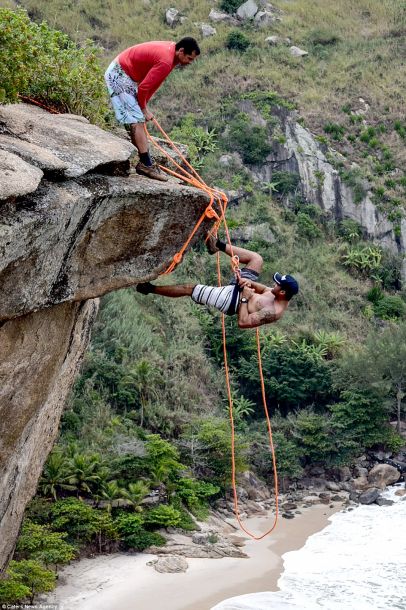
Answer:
[(298, 152), (75, 223)]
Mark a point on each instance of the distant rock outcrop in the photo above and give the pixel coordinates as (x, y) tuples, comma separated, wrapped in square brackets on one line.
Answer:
[(320, 182), (74, 224)]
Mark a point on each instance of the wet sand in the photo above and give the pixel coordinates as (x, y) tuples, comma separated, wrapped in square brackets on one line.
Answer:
[(125, 582)]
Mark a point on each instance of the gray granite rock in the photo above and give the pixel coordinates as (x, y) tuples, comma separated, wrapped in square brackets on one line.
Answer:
[(172, 17), (79, 146), (17, 177), (39, 358), (382, 475), (207, 30), (297, 52), (369, 496), (104, 233), (247, 10), (169, 564)]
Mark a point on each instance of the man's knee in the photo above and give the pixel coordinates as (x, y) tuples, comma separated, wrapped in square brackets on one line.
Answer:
[(256, 261)]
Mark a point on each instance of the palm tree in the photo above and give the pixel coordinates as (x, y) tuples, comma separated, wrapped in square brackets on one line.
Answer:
[(55, 475), (136, 492), (112, 492), (143, 379), (84, 472)]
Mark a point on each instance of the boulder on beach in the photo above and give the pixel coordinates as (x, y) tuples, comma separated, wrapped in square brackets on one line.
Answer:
[(369, 496), (383, 475)]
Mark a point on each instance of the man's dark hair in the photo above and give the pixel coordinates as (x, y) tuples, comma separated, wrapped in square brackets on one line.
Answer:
[(188, 44), (289, 295)]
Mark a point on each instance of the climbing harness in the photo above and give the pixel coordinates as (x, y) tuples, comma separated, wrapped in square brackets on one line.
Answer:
[(219, 198)]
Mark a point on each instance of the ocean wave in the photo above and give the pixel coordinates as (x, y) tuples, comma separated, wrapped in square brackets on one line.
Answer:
[(358, 562)]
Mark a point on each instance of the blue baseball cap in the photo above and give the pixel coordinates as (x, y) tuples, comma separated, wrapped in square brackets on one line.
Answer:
[(287, 282)]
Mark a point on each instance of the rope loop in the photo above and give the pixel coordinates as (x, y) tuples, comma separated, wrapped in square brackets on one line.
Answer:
[(210, 213)]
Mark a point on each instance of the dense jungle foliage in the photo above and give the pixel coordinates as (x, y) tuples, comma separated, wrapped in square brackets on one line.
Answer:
[(145, 438)]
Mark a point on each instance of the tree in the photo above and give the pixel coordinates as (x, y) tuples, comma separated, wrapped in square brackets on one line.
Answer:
[(55, 475), (112, 492), (295, 377), (163, 516), (312, 434), (84, 472), (32, 575), (195, 493), (136, 492), (71, 76), (379, 368), (12, 590), (162, 459), (389, 348), (39, 542), (358, 420), (83, 523), (212, 451), (145, 377)]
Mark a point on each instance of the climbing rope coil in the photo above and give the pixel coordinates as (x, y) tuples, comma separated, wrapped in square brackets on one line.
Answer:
[(218, 198)]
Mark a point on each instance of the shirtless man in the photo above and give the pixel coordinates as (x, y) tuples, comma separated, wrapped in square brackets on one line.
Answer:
[(253, 303)]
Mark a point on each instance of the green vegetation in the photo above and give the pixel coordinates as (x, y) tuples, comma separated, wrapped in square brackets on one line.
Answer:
[(237, 41), (230, 6), (251, 141), (69, 78), (200, 142)]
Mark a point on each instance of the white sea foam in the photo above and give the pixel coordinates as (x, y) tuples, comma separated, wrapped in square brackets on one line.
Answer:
[(358, 562)]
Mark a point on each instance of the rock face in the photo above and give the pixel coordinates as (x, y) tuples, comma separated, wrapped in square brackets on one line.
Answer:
[(16, 176), (169, 564), (207, 30), (40, 354), (247, 10), (320, 182), (74, 224), (103, 233), (172, 17), (369, 496)]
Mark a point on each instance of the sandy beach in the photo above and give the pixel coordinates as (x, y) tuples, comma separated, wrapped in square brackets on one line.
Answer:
[(125, 582)]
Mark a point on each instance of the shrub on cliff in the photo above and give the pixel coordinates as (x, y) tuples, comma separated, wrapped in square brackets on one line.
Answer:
[(237, 41), (230, 6), (46, 65), (250, 140)]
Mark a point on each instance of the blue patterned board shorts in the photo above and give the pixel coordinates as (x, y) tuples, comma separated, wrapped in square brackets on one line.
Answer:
[(123, 95)]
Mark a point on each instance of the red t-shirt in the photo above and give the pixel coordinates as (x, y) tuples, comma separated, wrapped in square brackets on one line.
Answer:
[(148, 64)]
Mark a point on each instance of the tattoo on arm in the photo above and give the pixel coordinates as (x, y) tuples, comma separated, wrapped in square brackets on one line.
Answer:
[(265, 316)]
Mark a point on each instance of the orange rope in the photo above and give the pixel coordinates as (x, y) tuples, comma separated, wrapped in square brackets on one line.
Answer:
[(221, 199)]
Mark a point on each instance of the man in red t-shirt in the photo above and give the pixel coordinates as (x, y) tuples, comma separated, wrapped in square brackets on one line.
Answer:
[(133, 77)]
